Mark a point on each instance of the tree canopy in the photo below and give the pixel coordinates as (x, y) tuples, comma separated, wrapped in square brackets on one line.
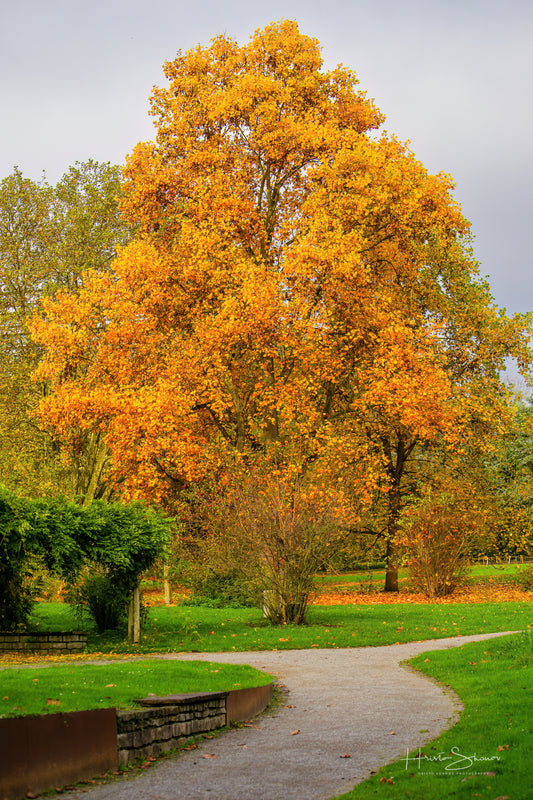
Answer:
[(299, 291)]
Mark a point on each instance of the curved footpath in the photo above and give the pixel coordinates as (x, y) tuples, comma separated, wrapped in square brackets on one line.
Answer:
[(358, 702)]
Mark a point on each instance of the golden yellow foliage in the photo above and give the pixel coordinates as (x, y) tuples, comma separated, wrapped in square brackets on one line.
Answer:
[(296, 278)]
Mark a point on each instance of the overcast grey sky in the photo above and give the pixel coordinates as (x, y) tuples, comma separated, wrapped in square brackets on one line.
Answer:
[(452, 76)]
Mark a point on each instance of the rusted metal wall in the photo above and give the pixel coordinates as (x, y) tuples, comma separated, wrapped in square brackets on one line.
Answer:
[(242, 704), (40, 753)]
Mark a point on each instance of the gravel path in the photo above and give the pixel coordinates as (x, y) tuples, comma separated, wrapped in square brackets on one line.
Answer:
[(358, 702)]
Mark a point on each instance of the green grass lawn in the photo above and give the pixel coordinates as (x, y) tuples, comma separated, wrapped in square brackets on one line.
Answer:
[(204, 629), (354, 577), (493, 678), (76, 687), (488, 753)]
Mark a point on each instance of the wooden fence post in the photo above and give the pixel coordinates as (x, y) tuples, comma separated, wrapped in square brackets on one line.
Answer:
[(134, 616), (166, 585)]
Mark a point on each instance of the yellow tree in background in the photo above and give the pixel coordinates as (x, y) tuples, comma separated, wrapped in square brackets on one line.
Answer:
[(288, 286)]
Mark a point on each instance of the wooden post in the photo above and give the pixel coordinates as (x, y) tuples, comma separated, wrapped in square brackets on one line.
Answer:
[(166, 586), (136, 615)]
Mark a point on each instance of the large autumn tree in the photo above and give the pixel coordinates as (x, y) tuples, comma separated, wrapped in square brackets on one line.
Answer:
[(283, 293)]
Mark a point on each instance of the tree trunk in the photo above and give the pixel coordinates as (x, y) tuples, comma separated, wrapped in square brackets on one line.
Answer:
[(98, 461), (136, 615), (397, 456), (391, 573)]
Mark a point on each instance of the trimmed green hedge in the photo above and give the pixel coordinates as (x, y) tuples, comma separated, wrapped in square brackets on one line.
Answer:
[(123, 539)]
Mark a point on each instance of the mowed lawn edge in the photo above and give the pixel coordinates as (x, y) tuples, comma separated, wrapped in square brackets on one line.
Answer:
[(184, 628), (80, 687)]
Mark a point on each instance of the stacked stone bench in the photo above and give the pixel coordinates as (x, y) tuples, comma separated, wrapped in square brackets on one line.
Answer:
[(166, 722)]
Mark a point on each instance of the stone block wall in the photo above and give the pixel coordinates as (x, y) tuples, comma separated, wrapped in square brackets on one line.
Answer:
[(43, 643), (38, 753), (150, 731)]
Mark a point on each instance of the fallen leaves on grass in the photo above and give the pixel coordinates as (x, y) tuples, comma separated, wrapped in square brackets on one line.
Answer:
[(344, 595), (156, 597), (38, 658)]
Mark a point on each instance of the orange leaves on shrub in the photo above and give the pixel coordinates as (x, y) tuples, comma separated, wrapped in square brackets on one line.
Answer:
[(435, 538)]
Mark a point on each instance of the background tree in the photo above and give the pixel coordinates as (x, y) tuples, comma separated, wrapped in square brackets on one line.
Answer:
[(509, 476), (48, 237), (290, 283), (26, 236)]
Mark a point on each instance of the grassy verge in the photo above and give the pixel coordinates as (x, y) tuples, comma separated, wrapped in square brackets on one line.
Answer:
[(377, 575), (86, 686), (488, 753), (477, 573), (203, 629)]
